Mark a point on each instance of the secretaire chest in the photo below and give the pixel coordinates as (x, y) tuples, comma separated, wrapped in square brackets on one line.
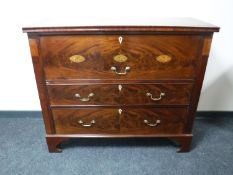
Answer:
[(120, 81)]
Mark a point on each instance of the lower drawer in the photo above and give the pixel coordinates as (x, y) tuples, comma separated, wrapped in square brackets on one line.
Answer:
[(86, 121), (153, 121), (120, 94), (120, 121)]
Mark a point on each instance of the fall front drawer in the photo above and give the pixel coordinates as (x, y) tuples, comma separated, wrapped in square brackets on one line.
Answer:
[(127, 120), (119, 94), (120, 56)]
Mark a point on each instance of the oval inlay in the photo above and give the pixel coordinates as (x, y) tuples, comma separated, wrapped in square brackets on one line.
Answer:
[(120, 58), (163, 58), (77, 58)]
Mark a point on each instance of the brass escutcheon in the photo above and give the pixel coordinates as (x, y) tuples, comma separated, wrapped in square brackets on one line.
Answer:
[(77, 58), (120, 58), (163, 58)]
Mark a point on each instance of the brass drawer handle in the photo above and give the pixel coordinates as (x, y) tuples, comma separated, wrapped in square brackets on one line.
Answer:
[(162, 94), (152, 124), (86, 125), (127, 69), (85, 99)]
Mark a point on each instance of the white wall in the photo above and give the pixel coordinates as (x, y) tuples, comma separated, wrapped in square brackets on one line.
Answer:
[(18, 88)]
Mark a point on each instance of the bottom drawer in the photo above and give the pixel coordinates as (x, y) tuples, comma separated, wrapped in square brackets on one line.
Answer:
[(86, 121), (153, 121), (120, 121)]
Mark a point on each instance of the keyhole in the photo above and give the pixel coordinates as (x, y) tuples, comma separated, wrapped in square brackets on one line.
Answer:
[(120, 39), (119, 111), (119, 87)]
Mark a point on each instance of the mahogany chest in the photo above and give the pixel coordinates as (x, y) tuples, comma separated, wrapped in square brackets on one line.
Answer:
[(120, 81)]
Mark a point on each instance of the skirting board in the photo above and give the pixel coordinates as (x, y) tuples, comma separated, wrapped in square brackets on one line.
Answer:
[(37, 114)]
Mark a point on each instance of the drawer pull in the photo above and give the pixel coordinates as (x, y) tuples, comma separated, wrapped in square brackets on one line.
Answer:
[(127, 68), (86, 125), (85, 99), (152, 124), (162, 94)]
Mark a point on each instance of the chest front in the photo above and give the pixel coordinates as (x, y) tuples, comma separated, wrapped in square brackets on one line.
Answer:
[(119, 82)]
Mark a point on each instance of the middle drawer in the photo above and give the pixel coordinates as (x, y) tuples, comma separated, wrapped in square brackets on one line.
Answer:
[(119, 94)]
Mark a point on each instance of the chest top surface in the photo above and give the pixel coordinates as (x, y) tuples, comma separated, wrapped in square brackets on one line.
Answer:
[(145, 25)]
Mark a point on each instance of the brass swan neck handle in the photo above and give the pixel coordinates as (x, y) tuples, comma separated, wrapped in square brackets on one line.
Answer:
[(85, 99), (152, 124), (127, 69), (86, 125), (162, 94)]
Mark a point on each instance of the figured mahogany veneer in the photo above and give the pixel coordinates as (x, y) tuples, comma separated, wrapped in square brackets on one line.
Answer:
[(171, 121), (151, 90), (141, 52), (128, 121), (119, 94), (67, 121)]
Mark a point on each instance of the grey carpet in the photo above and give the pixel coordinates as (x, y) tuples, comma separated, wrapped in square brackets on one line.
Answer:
[(23, 151)]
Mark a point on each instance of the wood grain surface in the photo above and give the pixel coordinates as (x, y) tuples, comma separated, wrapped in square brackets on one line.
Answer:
[(172, 120), (66, 121), (129, 121), (141, 52), (129, 94)]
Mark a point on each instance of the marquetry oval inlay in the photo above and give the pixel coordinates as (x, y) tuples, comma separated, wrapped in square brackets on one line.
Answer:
[(163, 58), (77, 58), (120, 58)]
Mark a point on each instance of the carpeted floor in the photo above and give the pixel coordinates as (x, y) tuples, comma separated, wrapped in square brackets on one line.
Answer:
[(23, 151)]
